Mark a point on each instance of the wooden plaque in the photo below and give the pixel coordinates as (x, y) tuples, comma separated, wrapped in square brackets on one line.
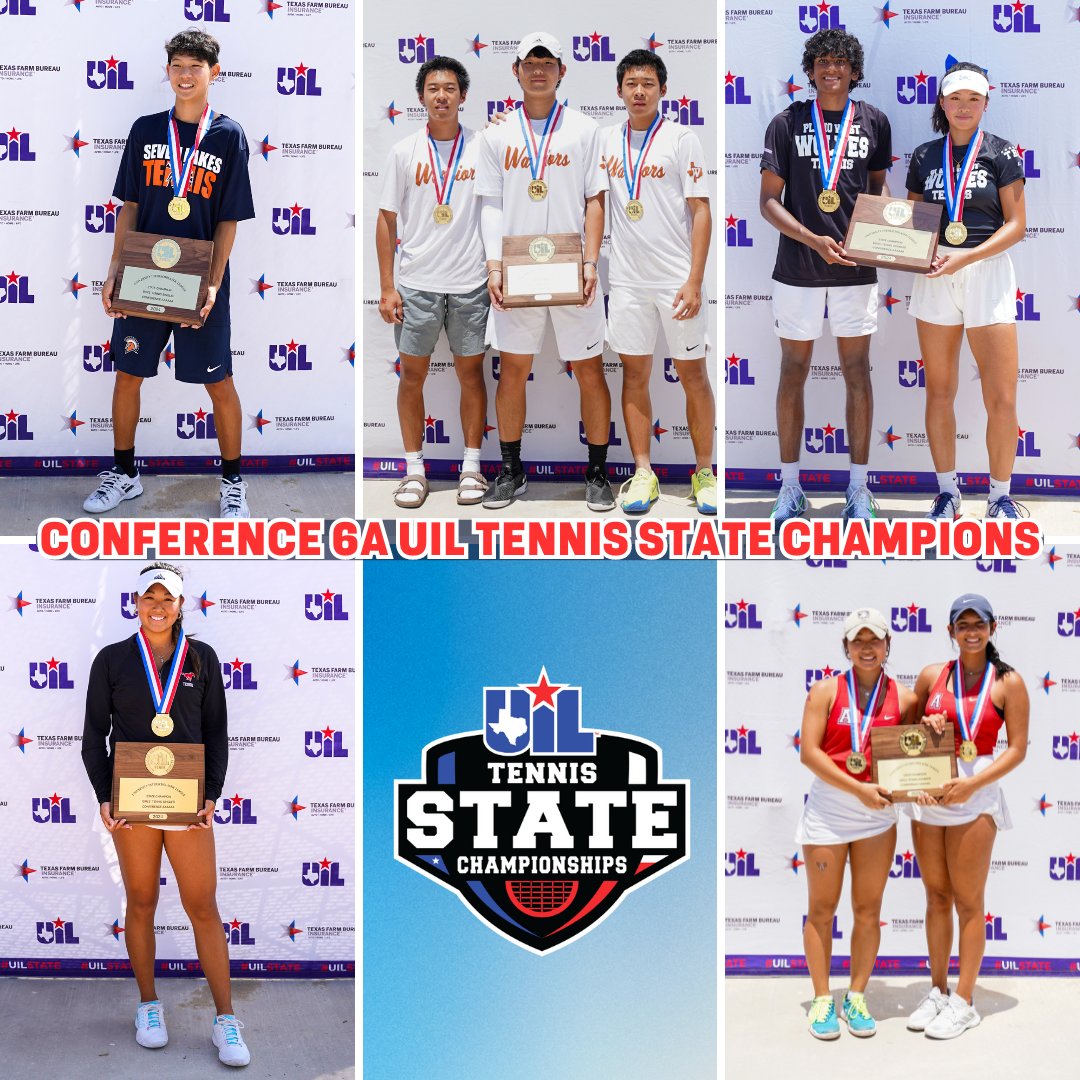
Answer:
[(906, 770), (893, 234), (163, 277), (544, 270), (149, 788)]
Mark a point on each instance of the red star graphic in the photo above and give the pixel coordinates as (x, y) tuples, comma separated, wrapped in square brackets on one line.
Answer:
[(110, 207), (420, 39), (297, 671), (12, 416), (1020, 295), (328, 595), (262, 287), (828, 672), (111, 63), (796, 862), (729, 79), (295, 807), (890, 301), (887, 15), (908, 856), (20, 603), (913, 609), (72, 423), (989, 918), (75, 286), (594, 37), (733, 360), (54, 799), (921, 78), (658, 430), (1076, 614), (13, 134), (295, 209), (77, 143), (300, 69), (1053, 558), (26, 871), (235, 924), (543, 693), (1019, 150), (1070, 858), (509, 103), (327, 732), (740, 854), (265, 147), (271, 7), (823, 8), (201, 414), (324, 863), (12, 277), (429, 421), (236, 800), (792, 88), (294, 930), (730, 220), (237, 664), (488, 427), (1018, 7), (684, 101), (391, 112), (742, 605), (54, 664), (829, 429), (291, 346), (59, 923), (1074, 737), (743, 731)]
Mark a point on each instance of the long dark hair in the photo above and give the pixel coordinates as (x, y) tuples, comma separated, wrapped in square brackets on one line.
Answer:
[(993, 657), (939, 121), (178, 625)]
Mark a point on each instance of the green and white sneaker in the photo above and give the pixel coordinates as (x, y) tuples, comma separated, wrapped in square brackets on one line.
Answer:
[(858, 1019), (790, 503), (703, 487), (860, 505), (822, 1017), (639, 492)]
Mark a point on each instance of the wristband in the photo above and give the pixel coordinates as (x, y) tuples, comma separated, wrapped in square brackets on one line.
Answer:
[(589, 262)]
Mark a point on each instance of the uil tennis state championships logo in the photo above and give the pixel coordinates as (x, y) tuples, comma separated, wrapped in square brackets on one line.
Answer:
[(541, 827)]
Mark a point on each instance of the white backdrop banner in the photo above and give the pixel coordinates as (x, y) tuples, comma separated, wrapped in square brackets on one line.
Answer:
[(73, 78), (784, 629), (284, 824), (485, 39), (1029, 51)]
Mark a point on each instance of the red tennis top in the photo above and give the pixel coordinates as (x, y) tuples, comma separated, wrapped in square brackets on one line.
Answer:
[(942, 699), (836, 741)]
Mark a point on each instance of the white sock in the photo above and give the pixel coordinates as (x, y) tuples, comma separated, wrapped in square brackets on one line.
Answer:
[(948, 484), (471, 461), (998, 488), (414, 463), (789, 473), (857, 475)]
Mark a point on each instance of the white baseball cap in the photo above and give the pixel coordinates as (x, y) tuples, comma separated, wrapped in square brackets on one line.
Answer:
[(539, 40), (965, 79), (866, 618), (173, 582)]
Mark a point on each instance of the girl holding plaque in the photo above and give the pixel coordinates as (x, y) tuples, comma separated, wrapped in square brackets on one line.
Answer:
[(979, 179), (847, 816), (160, 686), (977, 693)]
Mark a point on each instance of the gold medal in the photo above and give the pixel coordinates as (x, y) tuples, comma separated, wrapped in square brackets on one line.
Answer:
[(179, 208), (828, 201), (538, 190), (955, 233), (968, 751), (442, 214), (635, 211), (162, 725), (856, 763)]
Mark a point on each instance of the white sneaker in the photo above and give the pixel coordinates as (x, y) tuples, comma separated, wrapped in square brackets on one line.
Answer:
[(927, 1009), (233, 499), (954, 1019), (230, 1043), (150, 1025), (115, 488)]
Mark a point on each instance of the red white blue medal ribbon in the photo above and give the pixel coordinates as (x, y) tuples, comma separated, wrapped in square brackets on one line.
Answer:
[(633, 178), (181, 173), (162, 695), (538, 158), (443, 182), (829, 161), (956, 187), (982, 702), (860, 725)]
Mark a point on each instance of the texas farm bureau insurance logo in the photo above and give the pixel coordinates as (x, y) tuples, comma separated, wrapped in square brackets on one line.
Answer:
[(539, 826)]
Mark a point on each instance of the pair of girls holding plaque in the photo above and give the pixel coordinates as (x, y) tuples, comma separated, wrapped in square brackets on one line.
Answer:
[(850, 818)]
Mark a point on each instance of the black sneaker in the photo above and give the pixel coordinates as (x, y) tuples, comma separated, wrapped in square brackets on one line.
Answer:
[(598, 493), (502, 490)]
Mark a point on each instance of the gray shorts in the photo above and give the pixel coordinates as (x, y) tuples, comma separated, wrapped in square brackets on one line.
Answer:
[(464, 315)]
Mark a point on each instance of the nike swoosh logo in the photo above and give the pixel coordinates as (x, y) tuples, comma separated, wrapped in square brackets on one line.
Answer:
[(214, 368), (693, 347), (888, 717), (593, 345)]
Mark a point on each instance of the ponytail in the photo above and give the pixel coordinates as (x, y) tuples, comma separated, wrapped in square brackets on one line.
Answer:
[(993, 657)]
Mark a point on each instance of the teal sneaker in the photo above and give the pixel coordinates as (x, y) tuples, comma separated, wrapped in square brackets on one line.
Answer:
[(790, 503), (822, 1017), (858, 1019)]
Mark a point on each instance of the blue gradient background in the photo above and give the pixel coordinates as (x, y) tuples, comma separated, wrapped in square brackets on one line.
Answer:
[(444, 996)]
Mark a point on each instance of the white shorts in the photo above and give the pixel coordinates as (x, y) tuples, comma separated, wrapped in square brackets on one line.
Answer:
[(832, 816), (579, 331), (634, 316), (799, 314), (980, 294), (988, 800)]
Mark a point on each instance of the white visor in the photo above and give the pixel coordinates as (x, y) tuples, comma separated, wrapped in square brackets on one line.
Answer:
[(173, 582), (965, 80)]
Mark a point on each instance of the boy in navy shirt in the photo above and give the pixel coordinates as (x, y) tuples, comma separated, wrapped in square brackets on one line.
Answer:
[(200, 197)]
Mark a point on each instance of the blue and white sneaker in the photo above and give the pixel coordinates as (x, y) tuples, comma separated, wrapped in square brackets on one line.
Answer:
[(1005, 506), (822, 1017), (945, 507), (790, 503), (115, 487), (232, 1050), (150, 1025), (856, 1016), (860, 505)]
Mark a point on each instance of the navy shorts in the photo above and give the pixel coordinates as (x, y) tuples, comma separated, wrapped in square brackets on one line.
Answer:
[(202, 356)]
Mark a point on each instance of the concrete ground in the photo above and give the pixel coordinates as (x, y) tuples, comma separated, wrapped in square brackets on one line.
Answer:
[(85, 1028), (1058, 517), (1024, 1032), (24, 501), (542, 500)]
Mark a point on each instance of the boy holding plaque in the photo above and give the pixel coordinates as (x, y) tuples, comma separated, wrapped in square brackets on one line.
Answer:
[(164, 688), (660, 226), (184, 174), (954, 839), (541, 173), (847, 817), (819, 155), (429, 187), (979, 178)]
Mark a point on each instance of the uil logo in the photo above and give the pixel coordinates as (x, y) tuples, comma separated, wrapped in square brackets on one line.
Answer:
[(538, 825), (815, 17), (298, 81)]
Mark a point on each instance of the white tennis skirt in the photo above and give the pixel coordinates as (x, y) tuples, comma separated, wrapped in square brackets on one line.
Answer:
[(832, 816), (987, 800)]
